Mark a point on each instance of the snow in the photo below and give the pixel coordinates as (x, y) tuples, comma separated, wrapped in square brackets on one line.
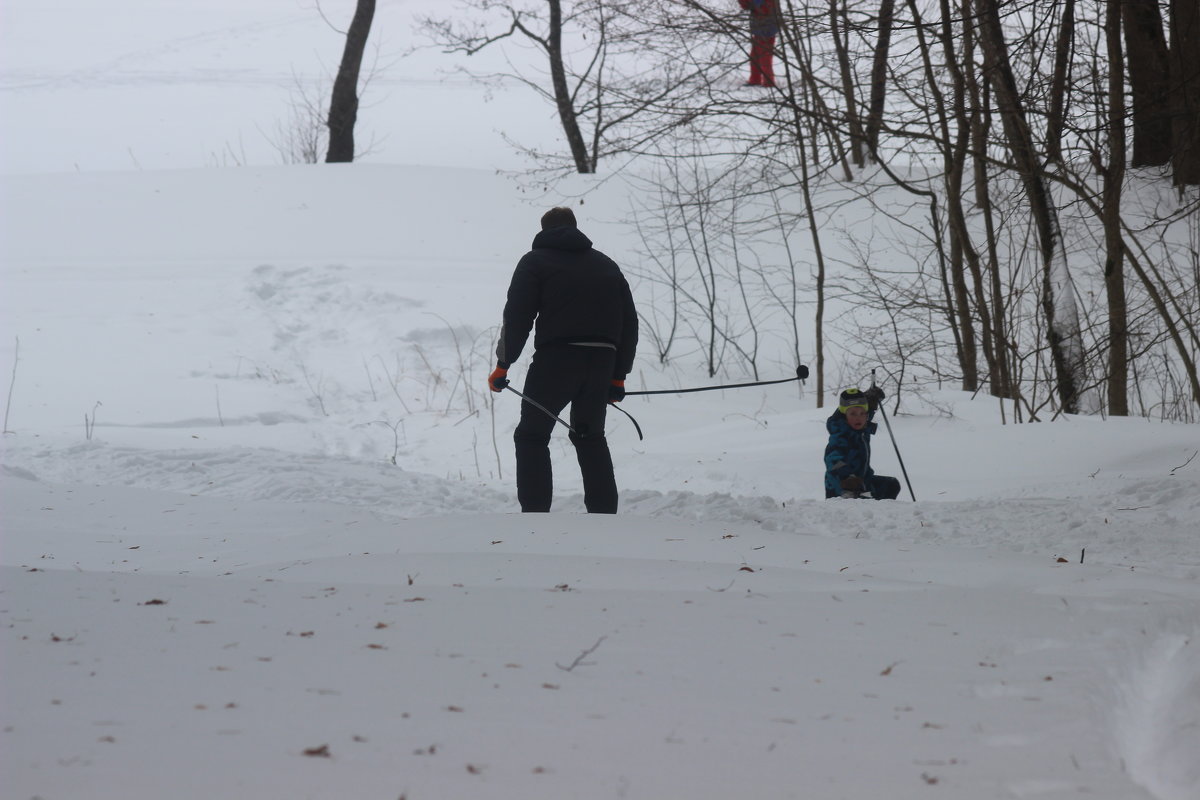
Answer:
[(259, 534)]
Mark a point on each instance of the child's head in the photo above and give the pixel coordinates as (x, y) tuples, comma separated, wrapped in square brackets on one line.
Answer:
[(856, 407)]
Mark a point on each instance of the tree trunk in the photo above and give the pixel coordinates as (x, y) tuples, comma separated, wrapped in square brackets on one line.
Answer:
[(1185, 92), (1002, 384), (1148, 79), (343, 105), (853, 124), (584, 164), (1114, 266), (1060, 81), (953, 147), (1058, 296), (887, 10)]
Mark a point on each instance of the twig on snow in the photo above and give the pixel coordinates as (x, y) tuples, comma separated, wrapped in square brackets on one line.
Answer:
[(1184, 464), (12, 383), (579, 660)]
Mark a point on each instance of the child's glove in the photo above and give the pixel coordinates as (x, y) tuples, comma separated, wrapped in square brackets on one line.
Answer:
[(616, 391), (874, 396), (498, 380), (853, 484)]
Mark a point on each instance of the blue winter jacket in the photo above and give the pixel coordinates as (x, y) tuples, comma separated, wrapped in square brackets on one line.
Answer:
[(848, 452)]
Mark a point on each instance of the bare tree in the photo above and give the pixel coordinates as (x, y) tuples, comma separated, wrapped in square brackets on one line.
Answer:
[(1058, 299), (1060, 81), (1148, 78), (620, 78), (879, 74), (343, 104), (301, 139), (1184, 91), (839, 27), (1114, 255)]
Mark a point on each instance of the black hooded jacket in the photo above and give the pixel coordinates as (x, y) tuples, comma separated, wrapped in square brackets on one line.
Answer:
[(576, 294)]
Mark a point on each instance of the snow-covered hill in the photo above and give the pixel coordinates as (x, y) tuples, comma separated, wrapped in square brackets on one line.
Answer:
[(258, 533)]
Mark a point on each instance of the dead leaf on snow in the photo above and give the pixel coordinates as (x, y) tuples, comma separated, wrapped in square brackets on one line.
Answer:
[(319, 752)]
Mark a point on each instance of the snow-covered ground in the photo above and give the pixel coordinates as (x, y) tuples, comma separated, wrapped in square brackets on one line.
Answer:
[(258, 535)]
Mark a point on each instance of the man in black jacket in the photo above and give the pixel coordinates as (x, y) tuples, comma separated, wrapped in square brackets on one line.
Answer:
[(584, 344)]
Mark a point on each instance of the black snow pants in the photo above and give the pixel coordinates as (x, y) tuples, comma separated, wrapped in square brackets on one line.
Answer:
[(558, 375)]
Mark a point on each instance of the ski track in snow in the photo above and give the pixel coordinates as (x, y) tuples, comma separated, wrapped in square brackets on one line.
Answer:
[(1157, 717), (1148, 696), (1103, 526)]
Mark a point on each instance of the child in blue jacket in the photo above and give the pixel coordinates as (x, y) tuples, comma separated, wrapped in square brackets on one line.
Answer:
[(848, 470)]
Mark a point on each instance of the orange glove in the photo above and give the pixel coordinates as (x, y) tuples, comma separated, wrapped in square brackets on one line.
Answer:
[(616, 392), (498, 380)]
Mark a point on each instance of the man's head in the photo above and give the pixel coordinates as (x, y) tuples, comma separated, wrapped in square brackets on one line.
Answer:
[(558, 218), (856, 407)]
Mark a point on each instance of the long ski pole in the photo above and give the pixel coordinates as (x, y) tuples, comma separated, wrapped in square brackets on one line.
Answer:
[(801, 374), (562, 421), (539, 407), (899, 458), (631, 419)]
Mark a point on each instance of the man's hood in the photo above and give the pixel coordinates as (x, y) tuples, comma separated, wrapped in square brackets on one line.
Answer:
[(562, 238)]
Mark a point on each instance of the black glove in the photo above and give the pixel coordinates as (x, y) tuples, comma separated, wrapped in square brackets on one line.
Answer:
[(853, 484), (874, 396), (802, 372), (616, 391)]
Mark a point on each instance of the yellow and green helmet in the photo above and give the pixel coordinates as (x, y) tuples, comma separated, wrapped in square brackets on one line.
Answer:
[(851, 398)]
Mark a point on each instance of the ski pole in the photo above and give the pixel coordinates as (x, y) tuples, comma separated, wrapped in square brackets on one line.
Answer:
[(538, 406), (631, 419), (559, 419), (801, 374), (894, 445)]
